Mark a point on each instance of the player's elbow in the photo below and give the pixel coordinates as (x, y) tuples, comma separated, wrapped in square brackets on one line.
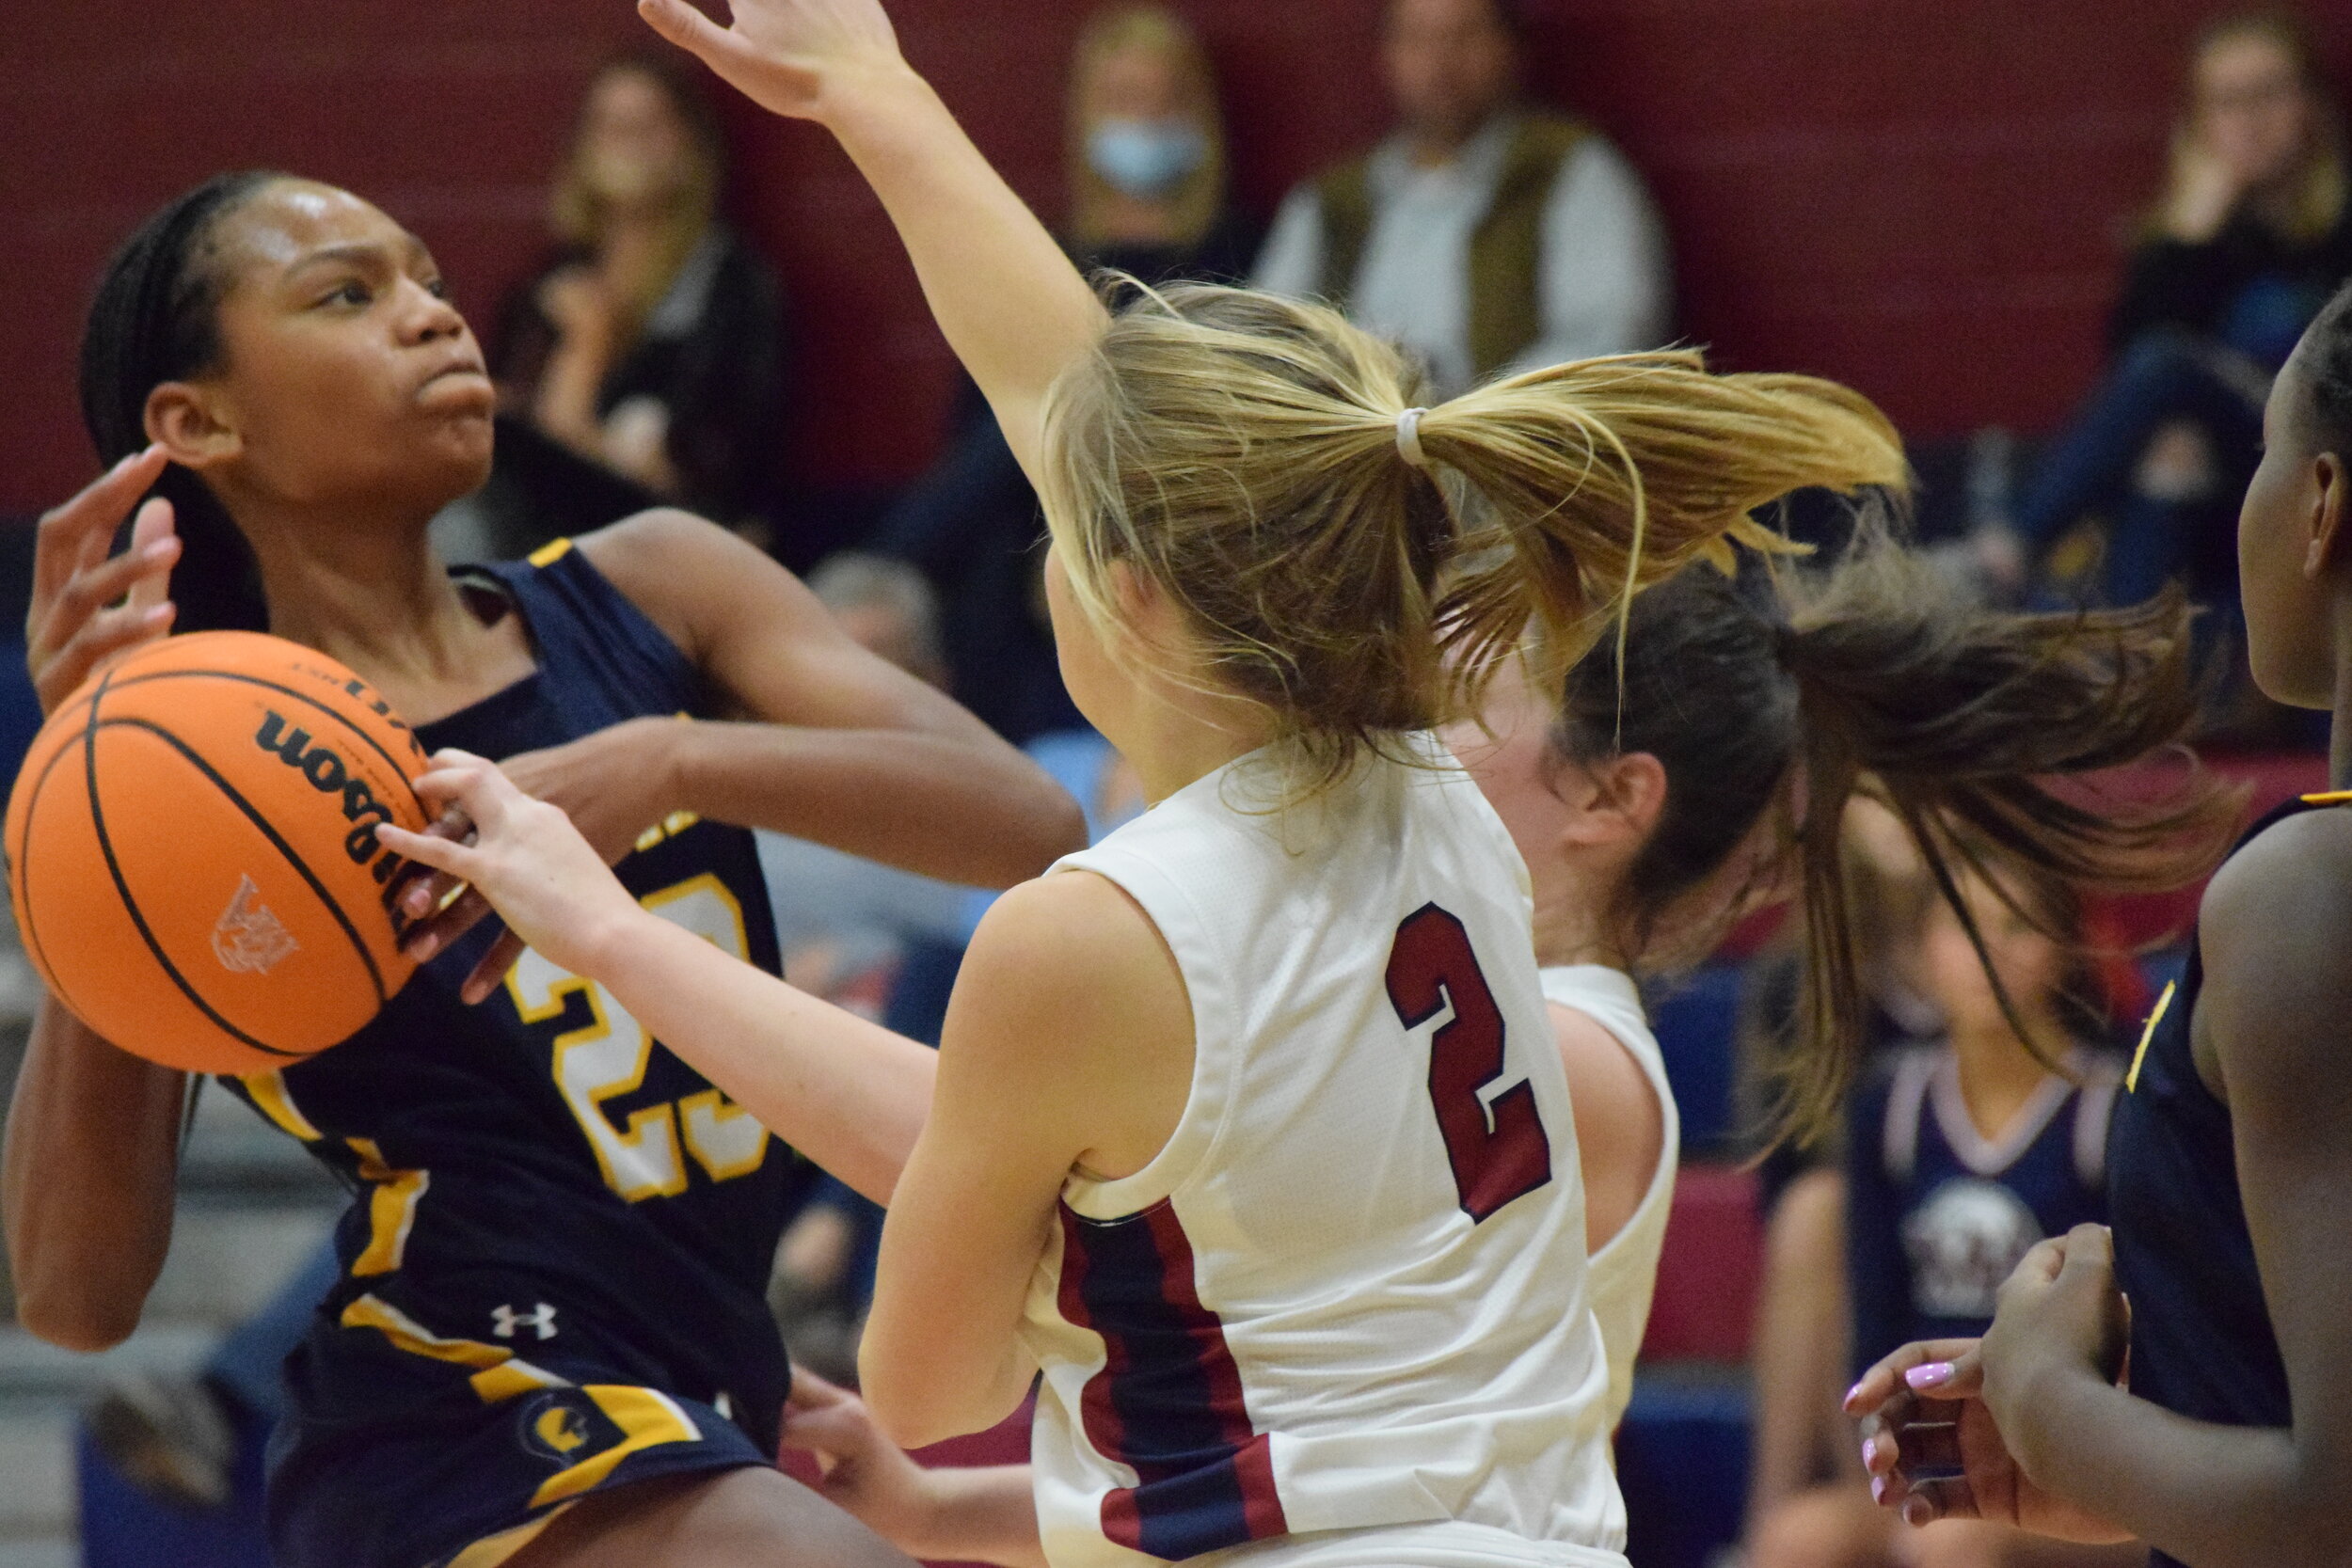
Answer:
[(918, 1405), (76, 1320)]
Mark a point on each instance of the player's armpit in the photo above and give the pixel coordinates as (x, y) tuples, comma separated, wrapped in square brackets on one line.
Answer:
[(1068, 1044)]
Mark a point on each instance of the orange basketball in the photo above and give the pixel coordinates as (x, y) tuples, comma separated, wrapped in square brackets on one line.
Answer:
[(192, 852)]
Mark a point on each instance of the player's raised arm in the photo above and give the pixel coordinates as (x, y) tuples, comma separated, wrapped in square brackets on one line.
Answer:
[(1013, 307)]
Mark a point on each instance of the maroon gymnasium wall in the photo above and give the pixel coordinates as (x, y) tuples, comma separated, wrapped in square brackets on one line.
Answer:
[(1926, 198)]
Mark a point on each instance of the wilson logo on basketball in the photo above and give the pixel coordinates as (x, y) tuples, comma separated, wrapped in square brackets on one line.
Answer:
[(330, 775), (249, 939)]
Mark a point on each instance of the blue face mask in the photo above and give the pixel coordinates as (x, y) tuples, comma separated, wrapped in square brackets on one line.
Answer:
[(1146, 159)]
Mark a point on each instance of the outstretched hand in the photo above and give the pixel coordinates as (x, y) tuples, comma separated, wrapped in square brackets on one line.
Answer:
[(545, 880), (783, 53), (88, 607)]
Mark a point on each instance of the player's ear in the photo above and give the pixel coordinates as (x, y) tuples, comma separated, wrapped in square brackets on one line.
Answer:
[(190, 421), (2329, 506), (1614, 800)]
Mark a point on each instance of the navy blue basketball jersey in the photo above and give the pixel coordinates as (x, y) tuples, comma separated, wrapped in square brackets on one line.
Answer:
[(555, 1274), (1937, 1216), (2201, 1341)]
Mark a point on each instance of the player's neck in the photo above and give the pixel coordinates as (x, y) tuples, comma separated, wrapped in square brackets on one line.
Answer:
[(1573, 923), (2340, 727), (1997, 1074), (380, 600)]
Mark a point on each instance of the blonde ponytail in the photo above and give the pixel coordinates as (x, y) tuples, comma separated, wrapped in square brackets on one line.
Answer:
[(1241, 452), (1587, 482)]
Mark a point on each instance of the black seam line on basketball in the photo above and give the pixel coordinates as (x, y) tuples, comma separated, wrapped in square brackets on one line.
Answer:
[(358, 943), (131, 905), (371, 742), (21, 862)]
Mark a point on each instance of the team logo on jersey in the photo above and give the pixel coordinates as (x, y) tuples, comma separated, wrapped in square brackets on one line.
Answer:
[(248, 938), (1964, 1242), (562, 1422)]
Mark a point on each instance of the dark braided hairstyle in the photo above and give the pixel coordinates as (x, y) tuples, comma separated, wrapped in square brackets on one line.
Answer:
[(2325, 357), (157, 319), (1874, 672)]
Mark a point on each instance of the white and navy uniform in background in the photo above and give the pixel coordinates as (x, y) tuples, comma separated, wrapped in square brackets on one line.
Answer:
[(1624, 1269), (553, 1278), (1342, 1315), (1937, 1216)]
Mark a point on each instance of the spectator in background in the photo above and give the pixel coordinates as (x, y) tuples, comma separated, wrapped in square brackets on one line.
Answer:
[(652, 341), (2253, 236), (1959, 1156), (1485, 235), (1149, 198)]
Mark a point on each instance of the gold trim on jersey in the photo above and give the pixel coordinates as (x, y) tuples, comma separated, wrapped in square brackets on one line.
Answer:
[(2155, 1016), (491, 1550), (392, 1208), (500, 1375), (268, 1090), (550, 552)]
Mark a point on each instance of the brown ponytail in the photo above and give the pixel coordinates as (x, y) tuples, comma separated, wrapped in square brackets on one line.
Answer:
[(1963, 720), (1241, 451), (1877, 673)]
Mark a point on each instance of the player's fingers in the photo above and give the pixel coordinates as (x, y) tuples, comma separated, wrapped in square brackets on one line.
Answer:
[(811, 1392), (457, 916), (691, 30), (1880, 1383), (1962, 1377), (59, 672), (1931, 1501), (2035, 1271), (1926, 1445), (150, 533), (140, 572), (96, 512), (491, 972), (2089, 1248), (439, 853)]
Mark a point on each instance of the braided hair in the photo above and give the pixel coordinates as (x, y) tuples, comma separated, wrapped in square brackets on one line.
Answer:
[(156, 318), (2327, 360)]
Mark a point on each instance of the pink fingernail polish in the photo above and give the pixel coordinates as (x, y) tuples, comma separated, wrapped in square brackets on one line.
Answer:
[(1933, 1375), (1869, 1451), (1854, 1393), (1878, 1489)]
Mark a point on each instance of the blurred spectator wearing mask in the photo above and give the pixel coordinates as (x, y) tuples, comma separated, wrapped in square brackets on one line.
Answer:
[(2253, 233), (1147, 153), (1147, 198), (1486, 235), (652, 342)]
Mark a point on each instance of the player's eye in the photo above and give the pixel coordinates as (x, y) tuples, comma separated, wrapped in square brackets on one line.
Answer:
[(350, 292)]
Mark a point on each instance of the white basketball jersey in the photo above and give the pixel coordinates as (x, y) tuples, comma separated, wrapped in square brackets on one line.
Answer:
[(1349, 1294), (1625, 1269)]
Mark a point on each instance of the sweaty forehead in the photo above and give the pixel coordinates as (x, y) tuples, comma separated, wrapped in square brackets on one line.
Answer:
[(286, 222)]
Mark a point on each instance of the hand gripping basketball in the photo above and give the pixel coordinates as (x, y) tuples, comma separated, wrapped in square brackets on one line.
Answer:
[(539, 873)]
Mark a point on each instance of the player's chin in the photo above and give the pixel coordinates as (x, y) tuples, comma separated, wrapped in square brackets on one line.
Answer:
[(456, 450)]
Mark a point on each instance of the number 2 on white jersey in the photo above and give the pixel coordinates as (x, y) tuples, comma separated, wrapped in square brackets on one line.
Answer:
[(1432, 968), (606, 1057)]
